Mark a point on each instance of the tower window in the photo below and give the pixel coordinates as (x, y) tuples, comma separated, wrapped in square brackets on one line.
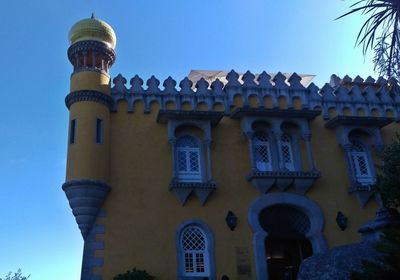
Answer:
[(72, 132), (99, 131)]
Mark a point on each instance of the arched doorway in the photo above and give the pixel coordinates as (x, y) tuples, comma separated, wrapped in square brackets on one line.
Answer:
[(286, 245), (287, 229)]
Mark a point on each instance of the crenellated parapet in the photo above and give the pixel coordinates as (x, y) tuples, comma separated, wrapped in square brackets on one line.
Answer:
[(342, 97)]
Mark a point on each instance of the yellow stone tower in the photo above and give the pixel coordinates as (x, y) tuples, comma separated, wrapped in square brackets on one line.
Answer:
[(91, 52)]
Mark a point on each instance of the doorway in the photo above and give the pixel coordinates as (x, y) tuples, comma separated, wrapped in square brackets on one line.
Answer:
[(286, 245)]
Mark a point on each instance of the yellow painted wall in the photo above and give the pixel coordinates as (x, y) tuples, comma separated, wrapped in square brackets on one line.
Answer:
[(86, 159), (90, 81), (143, 215)]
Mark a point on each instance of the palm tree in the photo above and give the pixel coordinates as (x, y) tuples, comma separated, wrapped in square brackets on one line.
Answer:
[(380, 33)]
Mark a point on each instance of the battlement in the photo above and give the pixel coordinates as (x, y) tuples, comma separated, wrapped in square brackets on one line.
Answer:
[(341, 97)]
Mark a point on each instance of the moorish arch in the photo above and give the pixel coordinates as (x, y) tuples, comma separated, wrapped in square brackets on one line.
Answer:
[(288, 216)]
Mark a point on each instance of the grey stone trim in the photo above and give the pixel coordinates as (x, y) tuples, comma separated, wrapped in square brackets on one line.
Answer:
[(360, 121), (279, 176), (85, 198), (361, 192), (369, 97), (210, 249), (274, 113), (88, 95), (82, 48), (301, 181), (184, 189), (89, 260), (307, 206), (165, 115)]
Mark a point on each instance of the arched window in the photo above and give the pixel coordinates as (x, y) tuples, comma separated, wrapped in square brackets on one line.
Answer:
[(361, 164), (193, 244), (188, 159), (195, 251), (262, 152), (286, 152)]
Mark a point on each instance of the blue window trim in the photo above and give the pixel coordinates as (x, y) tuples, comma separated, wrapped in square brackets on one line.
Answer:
[(210, 249)]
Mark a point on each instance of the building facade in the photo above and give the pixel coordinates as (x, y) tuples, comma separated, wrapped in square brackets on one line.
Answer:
[(225, 174)]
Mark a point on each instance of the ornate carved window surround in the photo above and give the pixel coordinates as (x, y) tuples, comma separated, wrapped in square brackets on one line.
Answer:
[(279, 175), (346, 133), (202, 187)]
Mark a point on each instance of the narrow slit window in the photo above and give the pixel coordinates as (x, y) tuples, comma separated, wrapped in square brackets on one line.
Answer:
[(72, 132), (99, 131)]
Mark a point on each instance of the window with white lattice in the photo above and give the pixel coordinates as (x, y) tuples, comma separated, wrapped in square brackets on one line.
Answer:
[(361, 164), (188, 159), (194, 247), (286, 153), (262, 152)]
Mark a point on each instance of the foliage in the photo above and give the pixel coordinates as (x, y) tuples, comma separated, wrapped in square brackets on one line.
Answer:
[(389, 246), (380, 33), (388, 183), (134, 275), (15, 276)]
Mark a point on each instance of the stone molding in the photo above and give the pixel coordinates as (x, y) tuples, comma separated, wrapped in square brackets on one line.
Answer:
[(86, 198), (88, 95), (184, 189), (213, 117), (307, 206), (89, 259), (363, 193), (302, 181), (376, 96), (90, 45)]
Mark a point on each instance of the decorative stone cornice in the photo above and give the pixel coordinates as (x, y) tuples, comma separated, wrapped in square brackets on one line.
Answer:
[(165, 115), (88, 95), (86, 198), (264, 112), (201, 189), (358, 121), (372, 98), (88, 45), (265, 180)]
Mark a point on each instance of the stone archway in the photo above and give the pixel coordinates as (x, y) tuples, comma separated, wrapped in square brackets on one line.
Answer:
[(304, 207)]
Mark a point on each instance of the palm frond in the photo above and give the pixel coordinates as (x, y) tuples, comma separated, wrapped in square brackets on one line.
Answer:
[(380, 30)]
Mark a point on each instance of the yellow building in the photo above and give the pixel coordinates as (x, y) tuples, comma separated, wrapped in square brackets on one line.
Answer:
[(235, 175)]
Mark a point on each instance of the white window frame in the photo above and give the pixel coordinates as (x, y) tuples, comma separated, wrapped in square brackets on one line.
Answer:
[(188, 175), (359, 151), (287, 144), (257, 144), (194, 254)]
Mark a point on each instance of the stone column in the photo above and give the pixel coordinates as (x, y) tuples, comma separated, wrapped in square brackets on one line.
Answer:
[(307, 140), (207, 145), (172, 141)]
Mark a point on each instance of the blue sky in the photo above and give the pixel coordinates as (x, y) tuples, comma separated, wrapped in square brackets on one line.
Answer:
[(155, 37)]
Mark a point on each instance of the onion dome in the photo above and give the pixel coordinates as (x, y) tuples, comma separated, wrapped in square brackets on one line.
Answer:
[(92, 29)]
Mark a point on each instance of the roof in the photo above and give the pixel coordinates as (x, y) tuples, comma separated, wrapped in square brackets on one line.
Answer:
[(211, 76)]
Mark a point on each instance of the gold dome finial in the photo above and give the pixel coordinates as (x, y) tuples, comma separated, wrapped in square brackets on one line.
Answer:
[(92, 29)]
